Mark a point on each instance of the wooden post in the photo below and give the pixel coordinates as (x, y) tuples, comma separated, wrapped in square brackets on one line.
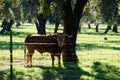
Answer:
[(11, 60)]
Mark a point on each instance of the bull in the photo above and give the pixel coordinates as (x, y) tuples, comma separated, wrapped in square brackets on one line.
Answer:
[(51, 43)]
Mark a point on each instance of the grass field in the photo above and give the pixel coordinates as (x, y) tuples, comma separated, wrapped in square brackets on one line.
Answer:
[(99, 59)]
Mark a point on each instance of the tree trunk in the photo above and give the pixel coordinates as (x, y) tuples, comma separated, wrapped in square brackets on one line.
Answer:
[(4, 26), (71, 20), (7, 26), (56, 25), (97, 27), (40, 24), (115, 28), (107, 29), (89, 26), (79, 28)]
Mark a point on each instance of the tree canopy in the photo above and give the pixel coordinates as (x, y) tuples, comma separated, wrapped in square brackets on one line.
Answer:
[(22, 10), (109, 10)]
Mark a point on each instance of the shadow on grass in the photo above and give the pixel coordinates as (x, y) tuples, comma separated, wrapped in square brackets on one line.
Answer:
[(16, 45), (101, 71), (71, 72), (14, 34), (90, 46), (100, 33), (82, 46), (92, 33), (4, 45), (17, 75), (48, 73), (112, 41), (106, 72), (4, 74)]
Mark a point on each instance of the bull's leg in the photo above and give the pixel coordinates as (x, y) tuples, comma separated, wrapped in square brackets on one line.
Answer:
[(30, 60), (59, 60), (52, 57)]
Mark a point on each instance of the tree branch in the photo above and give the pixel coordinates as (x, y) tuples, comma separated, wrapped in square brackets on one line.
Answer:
[(79, 6)]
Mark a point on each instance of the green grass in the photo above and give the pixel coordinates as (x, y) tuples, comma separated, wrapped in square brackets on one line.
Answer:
[(99, 59)]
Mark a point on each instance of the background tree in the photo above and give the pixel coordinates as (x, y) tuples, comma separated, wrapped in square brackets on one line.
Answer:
[(57, 16), (7, 12), (109, 12), (44, 12), (38, 11), (28, 9), (90, 12), (7, 7)]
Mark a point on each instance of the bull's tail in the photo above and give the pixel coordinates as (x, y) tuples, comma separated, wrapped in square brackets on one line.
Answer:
[(24, 52)]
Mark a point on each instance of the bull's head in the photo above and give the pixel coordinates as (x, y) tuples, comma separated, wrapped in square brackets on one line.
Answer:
[(60, 38)]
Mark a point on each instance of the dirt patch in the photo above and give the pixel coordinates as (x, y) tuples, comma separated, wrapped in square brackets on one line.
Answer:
[(6, 64)]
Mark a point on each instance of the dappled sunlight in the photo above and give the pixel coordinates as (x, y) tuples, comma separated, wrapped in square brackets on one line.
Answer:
[(106, 71), (91, 47)]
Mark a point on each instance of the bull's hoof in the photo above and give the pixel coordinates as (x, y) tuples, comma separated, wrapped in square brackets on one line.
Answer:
[(28, 66)]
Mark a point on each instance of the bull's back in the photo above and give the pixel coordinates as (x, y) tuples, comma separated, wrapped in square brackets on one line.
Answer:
[(39, 39), (41, 43)]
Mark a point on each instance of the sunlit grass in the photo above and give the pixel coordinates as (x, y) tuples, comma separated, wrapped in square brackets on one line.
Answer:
[(91, 47)]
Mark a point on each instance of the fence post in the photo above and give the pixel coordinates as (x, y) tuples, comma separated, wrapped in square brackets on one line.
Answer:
[(11, 60)]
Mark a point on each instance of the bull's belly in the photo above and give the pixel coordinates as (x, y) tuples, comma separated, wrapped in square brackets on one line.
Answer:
[(50, 49), (43, 50)]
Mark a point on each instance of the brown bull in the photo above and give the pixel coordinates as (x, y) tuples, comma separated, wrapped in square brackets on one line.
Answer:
[(52, 44)]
